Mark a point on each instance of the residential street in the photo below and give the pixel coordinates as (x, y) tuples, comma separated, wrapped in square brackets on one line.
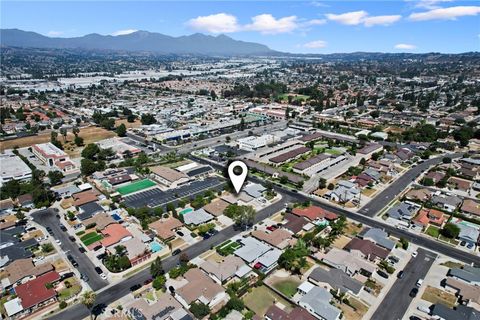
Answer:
[(396, 302)]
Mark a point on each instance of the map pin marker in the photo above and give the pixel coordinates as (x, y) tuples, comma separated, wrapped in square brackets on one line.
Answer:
[(237, 179)]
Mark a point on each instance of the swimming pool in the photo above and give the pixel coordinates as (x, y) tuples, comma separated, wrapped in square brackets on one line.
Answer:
[(116, 217), (155, 246), (186, 210)]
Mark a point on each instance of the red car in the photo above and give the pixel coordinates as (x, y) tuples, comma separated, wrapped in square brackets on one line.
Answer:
[(272, 228)]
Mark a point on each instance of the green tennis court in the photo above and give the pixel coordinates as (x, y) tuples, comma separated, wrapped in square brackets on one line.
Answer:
[(136, 186)]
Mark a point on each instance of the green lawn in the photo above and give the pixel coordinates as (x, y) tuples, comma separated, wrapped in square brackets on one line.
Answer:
[(297, 97), (67, 293), (227, 248), (136, 186), (90, 238), (333, 152), (288, 287), (261, 298), (433, 231)]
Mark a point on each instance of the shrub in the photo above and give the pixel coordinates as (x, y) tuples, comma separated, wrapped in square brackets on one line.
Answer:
[(63, 305)]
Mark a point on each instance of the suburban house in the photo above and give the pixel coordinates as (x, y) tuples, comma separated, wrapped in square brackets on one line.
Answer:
[(428, 216), (449, 203), (403, 211), (470, 208), (165, 308), (34, 293), (335, 279), (279, 238), (314, 213), (418, 194), (467, 274), (377, 236), (23, 270), (216, 207), (368, 249), (200, 287), (316, 300), (227, 269), (468, 233), (344, 192), (165, 228), (467, 292), (348, 262), (197, 217), (114, 234)]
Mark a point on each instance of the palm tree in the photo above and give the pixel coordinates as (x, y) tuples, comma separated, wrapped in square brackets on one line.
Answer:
[(88, 300)]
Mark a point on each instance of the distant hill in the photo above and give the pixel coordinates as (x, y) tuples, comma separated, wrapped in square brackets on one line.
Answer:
[(137, 41)]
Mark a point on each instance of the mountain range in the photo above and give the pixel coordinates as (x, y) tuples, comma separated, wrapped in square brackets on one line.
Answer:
[(137, 41)]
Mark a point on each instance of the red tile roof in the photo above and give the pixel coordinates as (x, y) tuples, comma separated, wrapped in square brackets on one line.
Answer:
[(113, 234), (314, 212), (34, 291)]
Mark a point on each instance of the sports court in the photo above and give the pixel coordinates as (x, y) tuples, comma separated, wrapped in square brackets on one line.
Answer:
[(136, 186)]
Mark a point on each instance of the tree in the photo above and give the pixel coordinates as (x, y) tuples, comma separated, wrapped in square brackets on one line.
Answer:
[(90, 151), (331, 186), (156, 269), (428, 182), (450, 230), (446, 160), (159, 282), (63, 132), (322, 183), (283, 179), (78, 141), (121, 130), (87, 167), (88, 300), (47, 247), (147, 119), (199, 309), (75, 130), (55, 177), (20, 215), (293, 259), (108, 124), (184, 259)]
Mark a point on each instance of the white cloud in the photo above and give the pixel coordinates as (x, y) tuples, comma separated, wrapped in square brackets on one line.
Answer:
[(317, 44), (405, 46), (450, 13), (215, 23), (314, 22), (124, 32), (361, 17), (268, 24), (381, 20), (319, 4), (55, 33), (349, 18), (429, 4)]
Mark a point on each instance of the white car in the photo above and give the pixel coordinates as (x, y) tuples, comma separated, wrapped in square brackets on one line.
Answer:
[(103, 276), (37, 259), (414, 254), (58, 242)]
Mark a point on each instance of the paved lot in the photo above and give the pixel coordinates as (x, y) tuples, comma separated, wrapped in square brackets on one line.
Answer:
[(115, 292), (156, 197), (47, 218), (396, 302)]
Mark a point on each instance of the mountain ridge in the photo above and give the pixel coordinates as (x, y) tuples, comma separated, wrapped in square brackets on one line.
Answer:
[(141, 40)]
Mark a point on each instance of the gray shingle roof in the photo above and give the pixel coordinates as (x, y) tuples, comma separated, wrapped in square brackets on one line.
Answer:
[(337, 279)]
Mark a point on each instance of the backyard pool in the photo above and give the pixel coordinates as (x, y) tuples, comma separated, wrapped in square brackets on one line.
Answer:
[(155, 246), (186, 210)]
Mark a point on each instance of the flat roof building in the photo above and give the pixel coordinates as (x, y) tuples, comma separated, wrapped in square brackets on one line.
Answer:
[(13, 168)]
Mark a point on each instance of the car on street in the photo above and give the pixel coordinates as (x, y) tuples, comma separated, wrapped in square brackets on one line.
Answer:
[(419, 282), (63, 228), (414, 254), (206, 236), (71, 238), (82, 249), (413, 293), (58, 242), (98, 270), (84, 277), (135, 287), (400, 275), (176, 251)]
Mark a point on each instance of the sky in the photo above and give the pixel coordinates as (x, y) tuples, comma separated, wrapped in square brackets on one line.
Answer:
[(447, 26)]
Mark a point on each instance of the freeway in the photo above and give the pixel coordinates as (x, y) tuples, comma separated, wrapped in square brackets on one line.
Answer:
[(396, 302), (116, 291), (47, 218), (387, 195)]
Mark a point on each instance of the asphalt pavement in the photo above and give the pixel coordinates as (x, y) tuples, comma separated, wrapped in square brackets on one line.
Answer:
[(373, 207), (396, 302), (47, 218), (116, 291)]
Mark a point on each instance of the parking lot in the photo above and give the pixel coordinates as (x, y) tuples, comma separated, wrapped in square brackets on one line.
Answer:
[(156, 197)]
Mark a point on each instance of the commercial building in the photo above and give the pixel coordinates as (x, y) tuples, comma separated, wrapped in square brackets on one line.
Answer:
[(13, 168), (53, 157)]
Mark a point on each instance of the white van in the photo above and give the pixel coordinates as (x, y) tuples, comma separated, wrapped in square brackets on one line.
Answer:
[(419, 282)]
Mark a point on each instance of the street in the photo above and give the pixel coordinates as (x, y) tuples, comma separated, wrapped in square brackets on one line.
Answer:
[(47, 218), (397, 300)]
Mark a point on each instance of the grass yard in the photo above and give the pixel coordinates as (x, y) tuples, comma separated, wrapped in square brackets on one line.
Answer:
[(136, 186), (90, 238), (451, 264), (352, 229), (227, 248), (435, 295), (261, 298), (298, 97), (433, 231), (67, 293), (333, 152), (288, 287)]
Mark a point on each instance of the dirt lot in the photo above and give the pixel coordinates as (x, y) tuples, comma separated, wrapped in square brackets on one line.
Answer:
[(89, 135), (127, 124), (355, 313), (352, 229), (341, 242), (435, 295)]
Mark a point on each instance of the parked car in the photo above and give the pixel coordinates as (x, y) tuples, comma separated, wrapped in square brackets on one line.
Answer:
[(394, 259), (180, 233), (71, 238), (135, 287), (470, 246), (419, 282), (63, 228), (413, 293), (272, 228), (414, 254), (82, 249), (176, 251), (98, 270), (400, 274), (382, 274), (84, 277)]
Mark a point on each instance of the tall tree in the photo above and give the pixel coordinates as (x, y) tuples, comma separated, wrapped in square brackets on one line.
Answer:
[(88, 300)]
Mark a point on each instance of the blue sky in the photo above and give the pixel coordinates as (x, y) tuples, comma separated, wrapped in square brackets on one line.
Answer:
[(289, 26)]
